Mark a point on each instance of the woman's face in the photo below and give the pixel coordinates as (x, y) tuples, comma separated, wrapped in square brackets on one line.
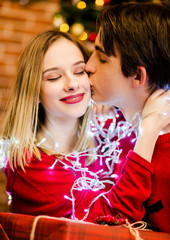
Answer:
[(65, 87)]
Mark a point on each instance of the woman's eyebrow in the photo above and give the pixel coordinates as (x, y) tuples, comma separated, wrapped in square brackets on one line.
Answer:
[(50, 69), (56, 68), (78, 62)]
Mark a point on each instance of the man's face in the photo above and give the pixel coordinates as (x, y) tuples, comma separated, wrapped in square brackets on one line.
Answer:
[(108, 83)]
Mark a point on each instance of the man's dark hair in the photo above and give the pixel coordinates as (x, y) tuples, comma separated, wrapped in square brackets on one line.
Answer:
[(140, 33)]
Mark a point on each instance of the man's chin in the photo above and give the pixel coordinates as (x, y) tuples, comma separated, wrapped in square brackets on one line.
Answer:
[(98, 101)]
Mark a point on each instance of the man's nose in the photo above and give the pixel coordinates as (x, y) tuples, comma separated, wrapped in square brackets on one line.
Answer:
[(90, 66)]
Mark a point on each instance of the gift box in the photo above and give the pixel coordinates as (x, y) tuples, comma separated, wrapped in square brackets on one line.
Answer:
[(18, 226)]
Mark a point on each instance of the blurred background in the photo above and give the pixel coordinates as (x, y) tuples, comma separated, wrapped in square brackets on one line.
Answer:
[(21, 20)]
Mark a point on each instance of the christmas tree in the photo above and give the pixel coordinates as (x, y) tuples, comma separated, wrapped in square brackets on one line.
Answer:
[(79, 17)]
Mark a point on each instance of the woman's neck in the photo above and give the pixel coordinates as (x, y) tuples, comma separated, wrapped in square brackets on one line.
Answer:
[(166, 129), (60, 135)]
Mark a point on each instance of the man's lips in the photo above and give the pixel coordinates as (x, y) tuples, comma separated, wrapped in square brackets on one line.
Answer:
[(73, 98)]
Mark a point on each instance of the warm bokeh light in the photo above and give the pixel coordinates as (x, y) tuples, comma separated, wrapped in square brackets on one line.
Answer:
[(64, 27), (83, 36), (77, 29), (58, 20), (81, 5), (99, 3)]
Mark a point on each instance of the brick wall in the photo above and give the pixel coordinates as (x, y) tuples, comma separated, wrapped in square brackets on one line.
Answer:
[(18, 25)]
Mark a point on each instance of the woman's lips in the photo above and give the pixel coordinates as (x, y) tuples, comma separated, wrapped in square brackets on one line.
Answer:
[(72, 99)]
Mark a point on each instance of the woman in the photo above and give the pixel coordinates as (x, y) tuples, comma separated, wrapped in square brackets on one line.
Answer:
[(48, 118)]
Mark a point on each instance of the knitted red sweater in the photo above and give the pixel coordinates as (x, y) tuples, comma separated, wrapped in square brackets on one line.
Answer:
[(158, 205)]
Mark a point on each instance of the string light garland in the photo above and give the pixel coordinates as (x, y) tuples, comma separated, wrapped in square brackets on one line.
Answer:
[(106, 148)]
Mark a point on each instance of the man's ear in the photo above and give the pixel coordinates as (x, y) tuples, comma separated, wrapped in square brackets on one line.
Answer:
[(140, 78)]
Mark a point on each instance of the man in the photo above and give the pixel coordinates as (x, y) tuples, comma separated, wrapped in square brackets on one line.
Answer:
[(131, 60)]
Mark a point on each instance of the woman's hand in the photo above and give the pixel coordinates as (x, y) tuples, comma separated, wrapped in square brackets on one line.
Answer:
[(156, 112), (155, 118)]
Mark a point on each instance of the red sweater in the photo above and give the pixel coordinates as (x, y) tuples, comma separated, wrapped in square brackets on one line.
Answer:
[(158, 204), (41, 190)]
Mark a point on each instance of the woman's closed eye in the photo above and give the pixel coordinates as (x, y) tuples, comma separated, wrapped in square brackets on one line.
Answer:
[(51, 74), (53, 78), (80, 72)]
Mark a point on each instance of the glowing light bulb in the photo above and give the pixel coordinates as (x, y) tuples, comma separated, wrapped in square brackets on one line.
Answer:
[(66, 197), (58, 20), (99, 3), (64, 27), (129, 134), (83, 36), (115, 176), (9, 199), (81, 5)]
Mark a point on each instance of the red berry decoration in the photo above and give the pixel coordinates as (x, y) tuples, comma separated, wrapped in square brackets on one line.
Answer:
[(99, 219), (106, 1), (92, 37), (110, 220)]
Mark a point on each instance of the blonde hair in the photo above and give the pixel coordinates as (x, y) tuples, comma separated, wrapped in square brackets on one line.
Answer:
[(23, 116)]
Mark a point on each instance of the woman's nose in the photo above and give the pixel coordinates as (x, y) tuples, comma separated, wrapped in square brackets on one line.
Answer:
[(71, 83)]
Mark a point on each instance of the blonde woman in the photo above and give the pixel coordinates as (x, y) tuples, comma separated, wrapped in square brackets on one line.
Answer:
[(49, 118)]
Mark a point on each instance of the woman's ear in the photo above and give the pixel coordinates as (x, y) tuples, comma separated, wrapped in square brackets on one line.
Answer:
[(141, 77)]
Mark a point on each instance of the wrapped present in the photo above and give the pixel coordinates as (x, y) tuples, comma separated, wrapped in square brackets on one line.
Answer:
[(18, 227)]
